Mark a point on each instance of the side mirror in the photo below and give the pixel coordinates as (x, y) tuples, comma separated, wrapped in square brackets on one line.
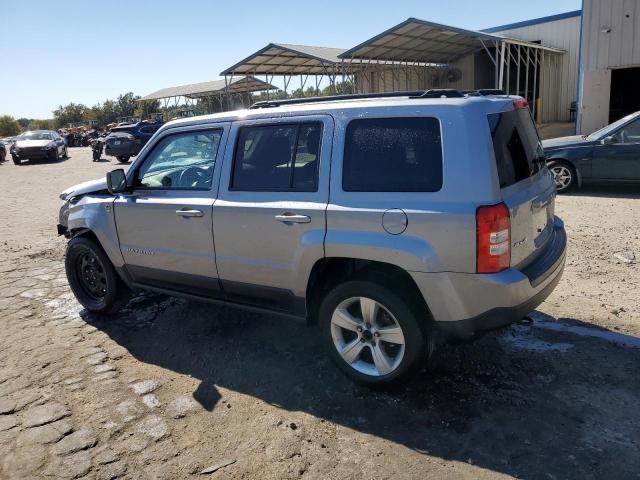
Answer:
[(116, 181), (610, 140)]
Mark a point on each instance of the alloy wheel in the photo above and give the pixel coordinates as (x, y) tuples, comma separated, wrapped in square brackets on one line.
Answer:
[(367, 336), (562, 175)]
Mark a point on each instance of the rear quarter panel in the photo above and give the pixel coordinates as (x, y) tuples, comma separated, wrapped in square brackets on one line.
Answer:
[(440, 234)]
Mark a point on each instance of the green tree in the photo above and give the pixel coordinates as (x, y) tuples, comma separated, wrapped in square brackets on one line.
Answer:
[(41, 124), (71, 113), (126, 104), (24, 122), (8, 126)]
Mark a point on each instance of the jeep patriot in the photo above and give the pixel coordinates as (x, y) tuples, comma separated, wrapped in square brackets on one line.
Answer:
[(384, 219)]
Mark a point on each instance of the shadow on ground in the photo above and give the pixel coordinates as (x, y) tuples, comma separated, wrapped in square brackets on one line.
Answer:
[(618, 191), (511, 402)]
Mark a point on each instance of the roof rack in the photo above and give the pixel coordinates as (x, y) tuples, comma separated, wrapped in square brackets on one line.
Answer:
[(441, 93)]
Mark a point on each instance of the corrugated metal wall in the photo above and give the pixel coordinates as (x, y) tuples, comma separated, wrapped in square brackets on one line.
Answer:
[(610, 39), (377, 79), (564, 34), (618, 48)]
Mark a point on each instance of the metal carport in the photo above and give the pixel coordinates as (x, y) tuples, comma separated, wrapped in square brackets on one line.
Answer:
[(220, 90), (518, 65)]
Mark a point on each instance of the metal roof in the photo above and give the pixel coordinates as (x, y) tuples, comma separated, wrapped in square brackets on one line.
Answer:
[(215, 87), (416, 40), (534, 21), (286, 59)]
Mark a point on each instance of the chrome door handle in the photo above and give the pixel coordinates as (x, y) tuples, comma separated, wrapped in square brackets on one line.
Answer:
[(292, 218), (189, 213)]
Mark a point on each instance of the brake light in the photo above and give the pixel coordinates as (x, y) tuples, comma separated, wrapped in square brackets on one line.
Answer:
[(520, 103), (493, 238)]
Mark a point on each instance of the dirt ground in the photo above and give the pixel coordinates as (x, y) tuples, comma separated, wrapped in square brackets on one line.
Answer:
[(171, 388)]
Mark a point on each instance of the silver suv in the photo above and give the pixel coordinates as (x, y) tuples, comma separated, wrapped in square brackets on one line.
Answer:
[(385, 220)]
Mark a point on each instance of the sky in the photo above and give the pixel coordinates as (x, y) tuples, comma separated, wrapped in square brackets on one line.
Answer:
[(56, 52)]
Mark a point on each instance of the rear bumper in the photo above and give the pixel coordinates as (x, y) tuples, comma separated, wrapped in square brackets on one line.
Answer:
[(464, 304), (125, 150)]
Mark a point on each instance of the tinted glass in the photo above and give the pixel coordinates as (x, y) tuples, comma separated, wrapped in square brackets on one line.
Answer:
[(516, 145), (184, 161), (630, 133), (393, 155), (277, 157)]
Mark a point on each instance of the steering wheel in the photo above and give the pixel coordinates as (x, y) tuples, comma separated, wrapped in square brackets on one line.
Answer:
[(192, 177)]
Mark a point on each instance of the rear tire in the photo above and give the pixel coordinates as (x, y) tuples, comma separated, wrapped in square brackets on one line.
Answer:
[(92, 278), (123, 159), (382, 348), (564, 175)]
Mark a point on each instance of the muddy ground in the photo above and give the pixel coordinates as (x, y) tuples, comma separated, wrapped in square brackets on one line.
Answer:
[(169, 387)]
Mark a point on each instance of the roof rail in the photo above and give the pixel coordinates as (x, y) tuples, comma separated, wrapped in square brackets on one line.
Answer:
[(483, 92), (442, 93), (335, 98)]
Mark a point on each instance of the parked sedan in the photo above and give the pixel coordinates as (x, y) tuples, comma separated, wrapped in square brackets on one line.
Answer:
[(609, 155), (38, 145)]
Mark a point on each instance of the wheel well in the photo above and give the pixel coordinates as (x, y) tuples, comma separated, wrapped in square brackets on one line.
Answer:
[(86, 233), (327, 273)]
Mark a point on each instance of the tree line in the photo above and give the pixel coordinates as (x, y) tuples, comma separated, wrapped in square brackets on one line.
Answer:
[(127, 105)]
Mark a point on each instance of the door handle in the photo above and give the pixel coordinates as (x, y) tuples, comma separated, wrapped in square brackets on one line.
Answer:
[(293, 218), (189, 213)]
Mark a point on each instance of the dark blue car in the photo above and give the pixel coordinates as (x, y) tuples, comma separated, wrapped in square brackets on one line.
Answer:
[(126, 141), (609, 155)]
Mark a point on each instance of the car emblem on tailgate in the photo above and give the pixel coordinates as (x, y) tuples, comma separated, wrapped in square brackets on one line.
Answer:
[(519, 242)]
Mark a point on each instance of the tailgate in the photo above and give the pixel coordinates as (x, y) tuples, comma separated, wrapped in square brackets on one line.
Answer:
[(531, 204)]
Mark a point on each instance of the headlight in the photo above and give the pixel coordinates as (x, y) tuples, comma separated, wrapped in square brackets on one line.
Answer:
[(49, 146)]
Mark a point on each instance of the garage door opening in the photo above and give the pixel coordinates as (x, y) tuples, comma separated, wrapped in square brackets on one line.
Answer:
[(625, 94)]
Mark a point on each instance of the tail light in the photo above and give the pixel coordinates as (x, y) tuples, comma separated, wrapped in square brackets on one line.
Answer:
[(493, 238), (520, 103)]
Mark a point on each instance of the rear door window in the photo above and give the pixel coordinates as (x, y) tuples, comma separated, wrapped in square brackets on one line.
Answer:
[(282, 157), (516, 146), (402, 154)]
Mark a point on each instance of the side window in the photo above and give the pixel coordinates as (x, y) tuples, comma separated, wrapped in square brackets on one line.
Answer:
[(392, 155), (277, 157), (184, 161), (630, 133)]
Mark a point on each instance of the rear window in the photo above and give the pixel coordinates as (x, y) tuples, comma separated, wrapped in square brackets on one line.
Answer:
[(393, 155), (516, 146)]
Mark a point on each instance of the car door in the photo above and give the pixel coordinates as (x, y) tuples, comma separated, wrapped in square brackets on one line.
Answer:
[(165, 224), (618, 156), (270, 214)]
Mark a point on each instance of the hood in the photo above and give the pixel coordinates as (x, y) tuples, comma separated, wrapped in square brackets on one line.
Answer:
[(32, 143), (572, 141), (84, 188)]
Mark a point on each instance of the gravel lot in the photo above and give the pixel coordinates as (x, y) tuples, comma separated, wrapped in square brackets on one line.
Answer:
[(171, 388)]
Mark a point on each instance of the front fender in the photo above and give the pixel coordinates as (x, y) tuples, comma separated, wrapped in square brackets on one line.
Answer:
[(96, 214)]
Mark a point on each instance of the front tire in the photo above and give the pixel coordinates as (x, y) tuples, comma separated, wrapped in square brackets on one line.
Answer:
[(371, 334), (16, 160), (123, 159), (92, 278), (564, 175)]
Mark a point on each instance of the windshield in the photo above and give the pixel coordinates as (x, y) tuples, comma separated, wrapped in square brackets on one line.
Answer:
[(36, 136), (606, 131)]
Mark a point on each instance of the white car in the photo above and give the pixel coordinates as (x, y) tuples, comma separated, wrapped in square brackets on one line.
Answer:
[(38, 145)]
